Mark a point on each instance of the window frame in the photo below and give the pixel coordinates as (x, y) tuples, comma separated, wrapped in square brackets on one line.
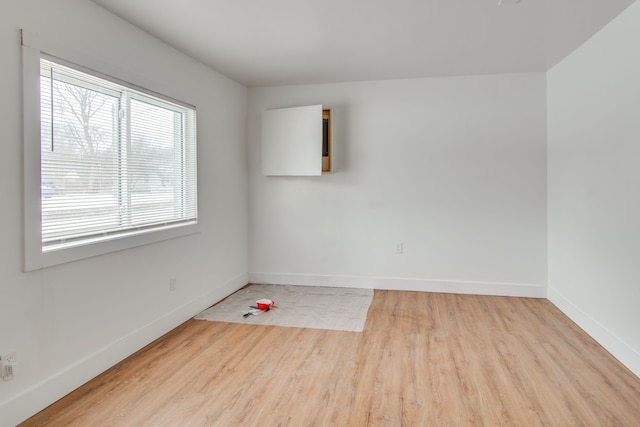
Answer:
[(33, 49)]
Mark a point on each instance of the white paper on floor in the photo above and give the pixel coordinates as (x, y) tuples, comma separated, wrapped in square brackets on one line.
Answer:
[(341, 309)]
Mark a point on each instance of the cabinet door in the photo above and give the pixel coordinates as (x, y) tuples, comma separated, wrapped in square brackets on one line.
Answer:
[(292, 141)]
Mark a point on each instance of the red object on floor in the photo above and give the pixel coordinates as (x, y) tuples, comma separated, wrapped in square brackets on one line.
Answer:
[(264, 304)]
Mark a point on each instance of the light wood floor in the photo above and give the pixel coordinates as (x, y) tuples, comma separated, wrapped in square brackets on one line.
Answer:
[(424, 359)]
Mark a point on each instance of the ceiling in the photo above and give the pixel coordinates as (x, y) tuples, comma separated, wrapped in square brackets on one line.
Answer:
[(280, 42)]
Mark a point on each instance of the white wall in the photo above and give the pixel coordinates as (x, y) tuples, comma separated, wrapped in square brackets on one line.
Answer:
[(70, 322), (454, 168), (594, 186)]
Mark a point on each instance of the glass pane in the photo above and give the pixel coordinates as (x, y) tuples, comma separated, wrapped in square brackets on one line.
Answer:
[(155, 163), (79, 155)]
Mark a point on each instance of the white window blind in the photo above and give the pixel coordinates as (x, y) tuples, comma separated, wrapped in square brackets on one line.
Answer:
[(115, 161)]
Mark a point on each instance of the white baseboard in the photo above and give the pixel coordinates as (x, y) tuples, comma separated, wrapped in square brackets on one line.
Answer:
[(38, 397), (619, 349), (403, 284)]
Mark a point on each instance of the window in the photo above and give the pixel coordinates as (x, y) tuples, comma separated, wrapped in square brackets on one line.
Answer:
[(117, 164), (113, 160)]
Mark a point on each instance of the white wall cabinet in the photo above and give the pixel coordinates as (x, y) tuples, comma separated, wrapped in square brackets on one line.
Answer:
[(296, 141)]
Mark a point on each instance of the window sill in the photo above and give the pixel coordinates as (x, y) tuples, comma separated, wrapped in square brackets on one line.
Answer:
[(36, 259)]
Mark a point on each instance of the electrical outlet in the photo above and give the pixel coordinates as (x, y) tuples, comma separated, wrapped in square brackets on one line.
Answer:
[(7, 365), (173, 284), (399, 248)]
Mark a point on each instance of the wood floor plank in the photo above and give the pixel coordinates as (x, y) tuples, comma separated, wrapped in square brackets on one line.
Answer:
[(423, 359)]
